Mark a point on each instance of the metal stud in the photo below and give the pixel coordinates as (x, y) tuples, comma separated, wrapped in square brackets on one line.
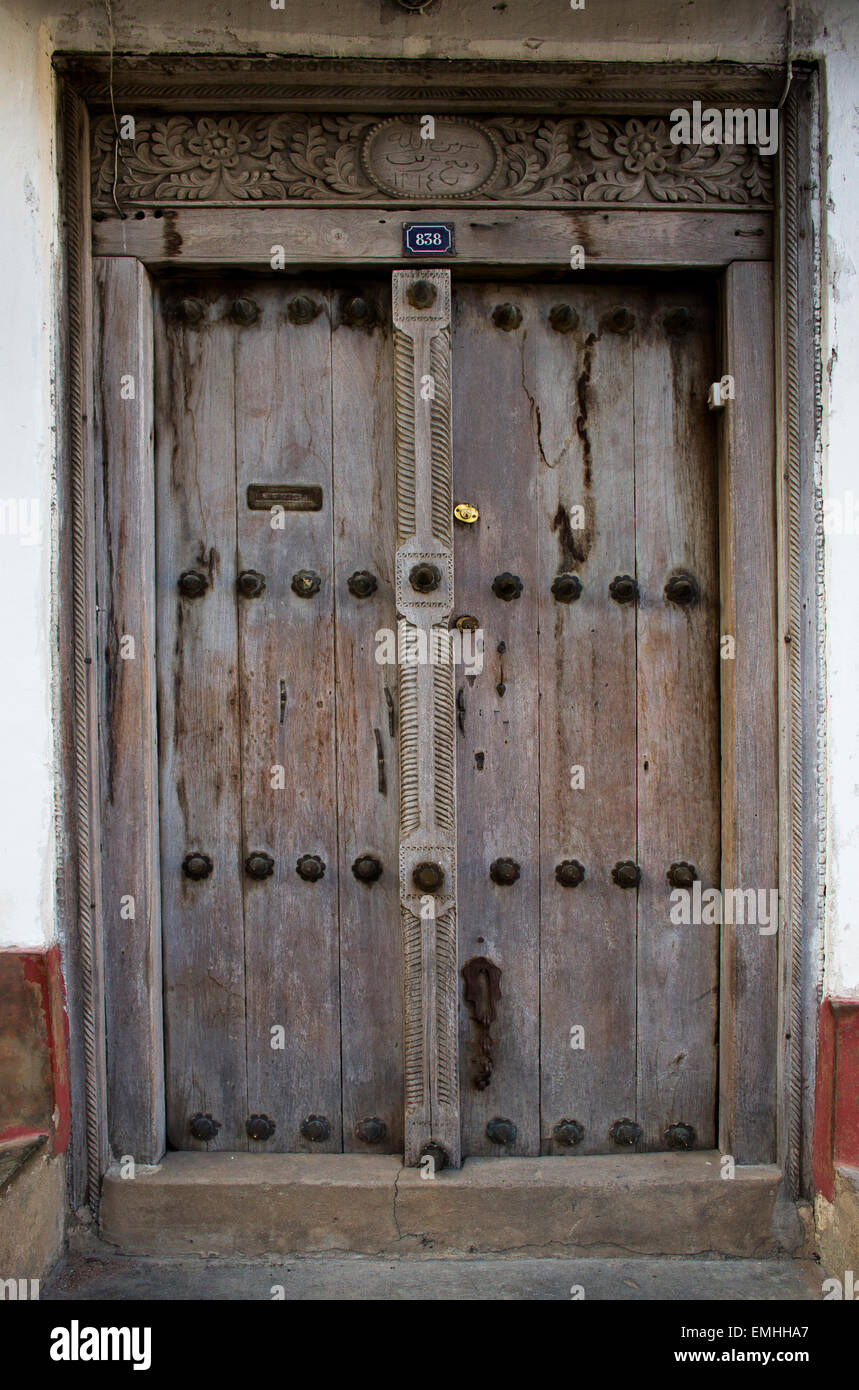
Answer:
[(302, 309), (204, 1127), (507, 586), (428, 877), (259, 865), (570, 873), (677, 320), (620, 320), (362, 584), (623, 589), (507, 317), (250, 584), (681, 874), (189, 311), (421, 294), (259, 1127), (563, 318), (625, 1132), (566, 588), (680, 1137), (316, 1128), (626, 874), (568, 1132), (357, 313), (501, 1131), (306, 583), (196, 866), (310, 868), (424, 578), (244, 312), (367, 868), (504, 871), (682, 589), (192, 584), (371, 1131)]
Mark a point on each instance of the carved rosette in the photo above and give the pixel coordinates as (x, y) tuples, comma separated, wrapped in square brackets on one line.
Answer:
[(303, 157), (427, 714)]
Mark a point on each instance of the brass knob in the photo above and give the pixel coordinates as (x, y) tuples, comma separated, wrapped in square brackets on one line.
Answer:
[(463, 511), (428, 877), (623, 589), (310, 867), (316, 1128), (682, 589), (424, 578), (506, 317), (259, 865), (421, 294), (504, 871), (626, 874), (192, 584), (466, 623), (568, 1133), (204, 1127), (367, 868), (563, 318), (501, 1131), (566, 588), (371, 1131), (250, 584), (362, 584), (244, 312), (680, 1137), (260, 1127), (570, 873), (306, 583), (196, 866), (301, 309), (507, 586), (682, 875), (625, 1132)]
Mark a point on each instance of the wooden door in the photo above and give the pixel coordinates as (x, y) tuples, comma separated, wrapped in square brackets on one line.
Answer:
[(277, 753), (588, 745)]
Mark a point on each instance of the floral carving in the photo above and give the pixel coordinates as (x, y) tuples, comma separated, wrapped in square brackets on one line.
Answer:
[(300, 157)]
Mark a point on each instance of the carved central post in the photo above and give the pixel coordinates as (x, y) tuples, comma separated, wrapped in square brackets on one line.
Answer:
[(424, 596)]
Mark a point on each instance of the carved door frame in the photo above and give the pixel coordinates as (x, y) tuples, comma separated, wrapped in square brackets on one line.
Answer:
[(231, 158)]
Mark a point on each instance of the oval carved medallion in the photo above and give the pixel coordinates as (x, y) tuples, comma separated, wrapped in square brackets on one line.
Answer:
[(459, 162)]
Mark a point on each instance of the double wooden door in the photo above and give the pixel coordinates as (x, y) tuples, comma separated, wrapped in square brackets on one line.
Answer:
[(314, 998)]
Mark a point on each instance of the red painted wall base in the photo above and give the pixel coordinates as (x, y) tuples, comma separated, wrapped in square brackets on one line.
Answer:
[(836, 1109)]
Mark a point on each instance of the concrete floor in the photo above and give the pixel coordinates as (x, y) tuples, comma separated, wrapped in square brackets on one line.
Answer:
[(102, 1275)]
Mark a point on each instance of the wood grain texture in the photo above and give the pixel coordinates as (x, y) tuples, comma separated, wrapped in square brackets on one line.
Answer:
[(678, 714), (612, 240), (199, 731), (127, 697), (749, 1000), (283, 434), (583, 388)]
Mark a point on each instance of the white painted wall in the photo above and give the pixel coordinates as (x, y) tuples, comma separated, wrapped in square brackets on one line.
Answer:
[(620, 30)]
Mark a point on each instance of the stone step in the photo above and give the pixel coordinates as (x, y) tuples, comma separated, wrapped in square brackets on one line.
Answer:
[(246, 1205)]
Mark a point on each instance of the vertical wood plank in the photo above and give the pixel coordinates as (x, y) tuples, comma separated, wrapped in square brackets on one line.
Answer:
[(131, 889), (749, 995), (583, 388), (283, 434), (364, 515), (678, 712), (198, 723), (496, 434)]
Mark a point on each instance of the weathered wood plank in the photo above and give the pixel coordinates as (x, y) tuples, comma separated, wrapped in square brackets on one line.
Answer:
[(583, 389), (496, 447), (198, 724), (283, 434), (128, 746), (490, 236), (749, 993), (364, 528), (678, 711)]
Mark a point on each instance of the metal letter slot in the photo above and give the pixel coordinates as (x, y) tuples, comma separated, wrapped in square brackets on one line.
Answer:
[(293, 497)]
